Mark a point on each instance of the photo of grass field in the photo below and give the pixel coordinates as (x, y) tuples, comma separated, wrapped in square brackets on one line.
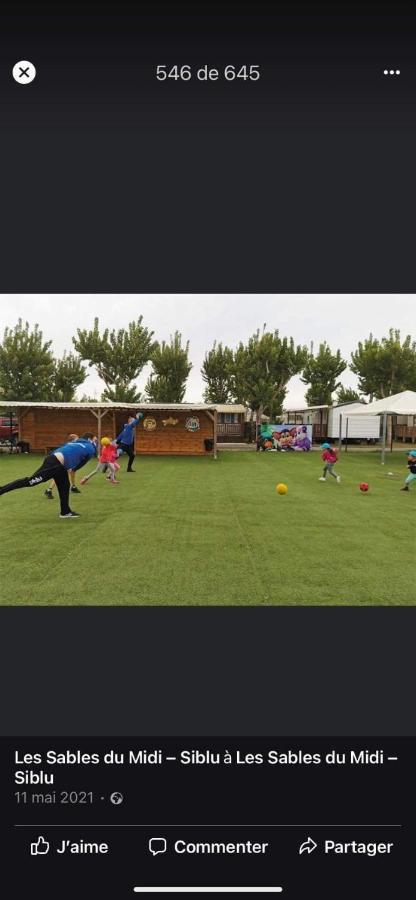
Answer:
[(205, 532)]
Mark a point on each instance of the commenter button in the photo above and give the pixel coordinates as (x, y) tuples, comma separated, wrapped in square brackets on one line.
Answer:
[(218, 848)]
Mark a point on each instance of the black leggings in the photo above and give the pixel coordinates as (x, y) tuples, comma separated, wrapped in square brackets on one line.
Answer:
[(50, 468), (129, 449)]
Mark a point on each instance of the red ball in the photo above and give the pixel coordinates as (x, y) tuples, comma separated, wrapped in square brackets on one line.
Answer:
[(364, 486)]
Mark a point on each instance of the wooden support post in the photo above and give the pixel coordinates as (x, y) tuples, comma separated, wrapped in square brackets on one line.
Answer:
[(215, 434), (383, 447), (340, 433), (98, 416)]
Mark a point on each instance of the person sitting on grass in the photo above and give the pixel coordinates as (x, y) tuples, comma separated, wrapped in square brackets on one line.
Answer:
[(125, 440), (72, 477), (56, 465), (107, 462), (411, 465), (329, 457)]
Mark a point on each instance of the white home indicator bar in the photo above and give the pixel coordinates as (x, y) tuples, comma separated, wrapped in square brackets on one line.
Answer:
[(208, 890)]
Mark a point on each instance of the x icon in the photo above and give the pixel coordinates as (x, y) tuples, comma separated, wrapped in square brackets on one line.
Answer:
[(24, 71)]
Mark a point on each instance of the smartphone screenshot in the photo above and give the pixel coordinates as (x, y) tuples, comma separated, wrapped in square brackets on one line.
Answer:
[(207, 449)]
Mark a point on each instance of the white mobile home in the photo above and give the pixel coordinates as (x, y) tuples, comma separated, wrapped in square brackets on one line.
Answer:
[(325, 421), (317, 416), (365, 428)]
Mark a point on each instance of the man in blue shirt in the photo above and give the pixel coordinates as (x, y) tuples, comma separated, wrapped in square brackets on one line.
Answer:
[(125, 439), (56, 465)]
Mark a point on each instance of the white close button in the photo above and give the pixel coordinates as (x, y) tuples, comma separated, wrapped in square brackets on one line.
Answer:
[(24, 72)]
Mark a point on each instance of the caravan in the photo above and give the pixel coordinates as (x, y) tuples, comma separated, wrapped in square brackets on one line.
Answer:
[(352, 427), (326, 421)]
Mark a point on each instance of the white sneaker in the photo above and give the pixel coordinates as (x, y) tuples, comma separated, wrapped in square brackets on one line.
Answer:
[(322, 478), (338, 479)]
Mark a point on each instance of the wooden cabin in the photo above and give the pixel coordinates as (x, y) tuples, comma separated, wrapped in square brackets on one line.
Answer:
[(171, 429), (404, 429), (231, 426)]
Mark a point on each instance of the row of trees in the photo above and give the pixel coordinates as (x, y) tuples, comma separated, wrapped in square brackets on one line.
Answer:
[(255, 373), (29, 370)]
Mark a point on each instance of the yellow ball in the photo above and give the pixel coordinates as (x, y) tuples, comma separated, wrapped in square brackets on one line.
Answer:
[(105, 441), (281, 488)]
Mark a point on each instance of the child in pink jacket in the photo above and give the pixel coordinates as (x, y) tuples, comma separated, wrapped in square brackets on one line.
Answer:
[(107, 462), (329, 457)]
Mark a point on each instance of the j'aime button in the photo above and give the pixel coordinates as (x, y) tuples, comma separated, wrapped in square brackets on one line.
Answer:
[(24, 72)]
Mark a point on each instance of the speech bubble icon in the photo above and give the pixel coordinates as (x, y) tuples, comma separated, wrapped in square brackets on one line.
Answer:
[(157, 845)]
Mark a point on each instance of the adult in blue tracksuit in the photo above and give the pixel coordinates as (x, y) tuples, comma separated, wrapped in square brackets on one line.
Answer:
[(125, 439), (56, 465)]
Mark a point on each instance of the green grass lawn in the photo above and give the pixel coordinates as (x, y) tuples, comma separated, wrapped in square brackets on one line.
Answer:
[(205, 532)]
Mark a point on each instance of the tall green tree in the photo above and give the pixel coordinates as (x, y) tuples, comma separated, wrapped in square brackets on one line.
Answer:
[(69, 374), (118, 357), (262, 369), (122, 393), (348, 395), (217, 372), (386, 366), (321, 373), (26, 364), (86, 398), (171, 367)]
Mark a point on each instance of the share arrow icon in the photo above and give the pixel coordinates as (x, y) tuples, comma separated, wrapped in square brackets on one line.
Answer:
[(308, 846)]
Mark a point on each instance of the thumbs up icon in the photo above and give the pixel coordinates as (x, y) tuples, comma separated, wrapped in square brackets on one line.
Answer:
[(39, 847)]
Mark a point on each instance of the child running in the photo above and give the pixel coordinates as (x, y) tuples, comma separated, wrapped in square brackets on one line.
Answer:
[(411, 465), (329, 457), (107, 462)]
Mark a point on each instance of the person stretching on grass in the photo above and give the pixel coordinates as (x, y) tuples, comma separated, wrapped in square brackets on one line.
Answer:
[(72, 477), (125, 439), (329, 457), (107, 463), (56, 465), (411, 465)]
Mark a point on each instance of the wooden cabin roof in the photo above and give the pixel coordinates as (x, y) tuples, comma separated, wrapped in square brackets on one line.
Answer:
[(177, 407)]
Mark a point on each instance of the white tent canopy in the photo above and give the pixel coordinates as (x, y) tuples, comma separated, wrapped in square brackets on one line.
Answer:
[(403, 404)]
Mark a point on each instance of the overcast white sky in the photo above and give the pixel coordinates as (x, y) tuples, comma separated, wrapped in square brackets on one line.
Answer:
[(340, 319)]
